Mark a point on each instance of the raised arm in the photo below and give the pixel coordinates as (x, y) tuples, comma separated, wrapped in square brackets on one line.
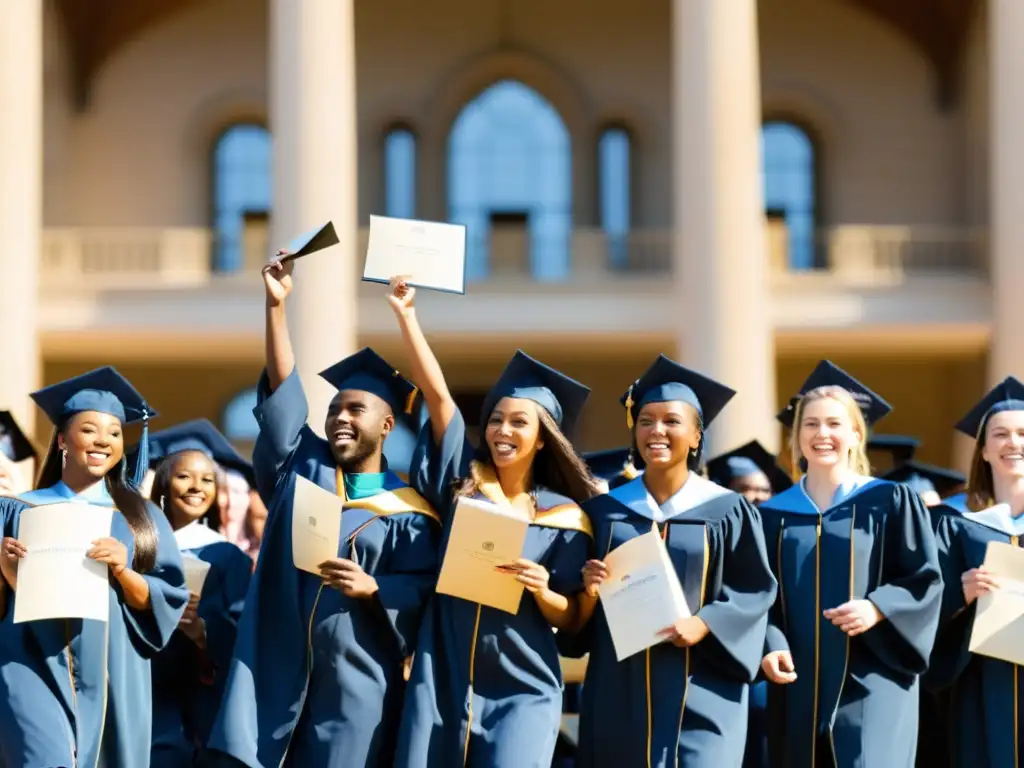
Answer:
[(426, 371), (277, 279)]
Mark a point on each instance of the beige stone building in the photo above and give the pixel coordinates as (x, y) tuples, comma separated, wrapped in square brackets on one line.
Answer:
[(844, 178)]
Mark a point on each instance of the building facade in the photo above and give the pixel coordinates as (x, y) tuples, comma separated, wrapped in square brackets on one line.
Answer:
[(749, 186)]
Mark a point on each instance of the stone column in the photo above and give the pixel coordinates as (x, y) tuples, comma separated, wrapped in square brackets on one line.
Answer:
[(313, 123), (720, 260), (1006, 179), (21, 202)]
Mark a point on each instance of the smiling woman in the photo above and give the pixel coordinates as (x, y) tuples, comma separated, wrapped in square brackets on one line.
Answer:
[(101, 713)]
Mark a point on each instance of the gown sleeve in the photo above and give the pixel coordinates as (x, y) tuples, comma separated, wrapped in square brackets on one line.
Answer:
[(403, 592), (281, 415), (436, 466), (774, 639), (737, 618), (910, 594), (950, 655), (151, 628), (222, 613), (565, 567)]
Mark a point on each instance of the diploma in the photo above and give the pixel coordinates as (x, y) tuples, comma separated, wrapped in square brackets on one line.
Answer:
[(310, 242), (483, 536), (196, 571), (426, 254), (642, 595), (316, 525), (55, 579), (999, 622)]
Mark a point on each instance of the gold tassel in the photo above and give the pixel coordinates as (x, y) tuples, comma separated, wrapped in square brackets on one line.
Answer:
[(629, 471), (629, 407), (411, 400)]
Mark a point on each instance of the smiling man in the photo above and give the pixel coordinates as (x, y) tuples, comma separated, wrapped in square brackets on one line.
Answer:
[(317, 677)]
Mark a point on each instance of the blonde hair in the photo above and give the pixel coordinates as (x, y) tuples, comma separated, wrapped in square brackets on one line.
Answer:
[(857, 460)]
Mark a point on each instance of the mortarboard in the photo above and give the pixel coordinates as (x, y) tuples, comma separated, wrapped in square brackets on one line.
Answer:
[(666, 381), (369, 372), (106, 391), (310, 242), (747, 460), (613, 464), (202, 436), (1008, 395), (925, 478), (562, 397), (900, 447), (14, 443), (828, 374)]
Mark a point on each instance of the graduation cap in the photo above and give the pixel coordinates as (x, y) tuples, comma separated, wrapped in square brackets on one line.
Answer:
[(369, 372), (310, 242), (900, 447), (926, 478), (106, 391), (828, 374), (615, 464), (1007, 395), (667, 381), (202, 436), (747, 460), (562, 397), (14, 443)]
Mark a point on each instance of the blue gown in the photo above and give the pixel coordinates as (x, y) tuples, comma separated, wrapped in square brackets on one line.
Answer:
[(188, 682), (855, 700), (985, 694), (486, 686), (76, 692), (317, 677), (672, 706)]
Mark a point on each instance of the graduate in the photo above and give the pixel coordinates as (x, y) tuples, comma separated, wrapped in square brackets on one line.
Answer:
[(317, 675), (931, 483), (684, 701), (614, 467), (15, 447), (76, 692), (896, 449), (859, 592), (985, 693), (189, 674), (486, 685)]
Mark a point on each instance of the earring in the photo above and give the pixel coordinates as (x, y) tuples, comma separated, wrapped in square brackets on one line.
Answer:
[(693, 452), (63, 458)]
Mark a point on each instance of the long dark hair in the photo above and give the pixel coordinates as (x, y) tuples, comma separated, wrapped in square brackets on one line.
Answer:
[(981, 487), (161, 489), (126, 498), (556, 467)]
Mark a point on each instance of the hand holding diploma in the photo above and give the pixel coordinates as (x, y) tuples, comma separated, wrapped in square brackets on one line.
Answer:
[(110, 551), (349, 578), (778, 667), (977, 582), (854, 617), (11, 551), (685, 633), (401, 295), (594, 574), (277, 279), (532, 576)]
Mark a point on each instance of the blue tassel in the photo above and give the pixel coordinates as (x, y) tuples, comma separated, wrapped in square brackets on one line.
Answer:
[(142, 458)]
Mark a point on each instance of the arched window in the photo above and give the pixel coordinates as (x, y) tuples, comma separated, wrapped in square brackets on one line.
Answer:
[(790, 186), (614, 183), (242, 189), (400, 173), (238, 423), (510, 164)]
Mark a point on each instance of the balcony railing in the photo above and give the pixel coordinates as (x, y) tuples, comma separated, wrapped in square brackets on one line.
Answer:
[(139, 258)]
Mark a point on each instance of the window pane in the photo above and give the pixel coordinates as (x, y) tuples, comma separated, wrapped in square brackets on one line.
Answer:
[(241, 185), (510, 152), (789, 186), (614, 181), (400, 174)]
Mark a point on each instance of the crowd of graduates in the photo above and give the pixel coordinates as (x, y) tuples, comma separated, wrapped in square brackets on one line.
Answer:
[(830, 615)]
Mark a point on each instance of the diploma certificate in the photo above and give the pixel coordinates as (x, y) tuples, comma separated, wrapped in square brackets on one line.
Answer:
[(316, 525), (55, 579), (999, 622), (427, 254), (196, 571), (642, 595), (483, 536)]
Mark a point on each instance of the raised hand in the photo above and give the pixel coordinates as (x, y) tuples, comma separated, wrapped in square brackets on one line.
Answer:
[(401, 295), (277, 279)]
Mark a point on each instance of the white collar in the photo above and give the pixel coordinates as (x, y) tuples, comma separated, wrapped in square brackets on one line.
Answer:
[(695, 491)]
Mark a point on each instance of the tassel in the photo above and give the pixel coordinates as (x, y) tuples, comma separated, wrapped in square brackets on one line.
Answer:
[(629, 407), (142, 460), (629, 471), (411, 400)]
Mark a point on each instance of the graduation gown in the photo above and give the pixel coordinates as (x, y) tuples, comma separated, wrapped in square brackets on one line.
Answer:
[(855, 700), (188, 681), (486, 686), (672, 706), (986, 695), (76, 692), (317, 677)]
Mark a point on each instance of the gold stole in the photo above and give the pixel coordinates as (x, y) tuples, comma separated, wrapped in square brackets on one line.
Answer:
[(568, 517), (387, 503)]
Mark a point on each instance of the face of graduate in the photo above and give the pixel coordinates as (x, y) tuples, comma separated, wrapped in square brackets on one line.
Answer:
[(193, 486), (666, 433), (1004, 443), (754, 488), (94, 443), (357, 423), (827, 434), (513, 431)]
